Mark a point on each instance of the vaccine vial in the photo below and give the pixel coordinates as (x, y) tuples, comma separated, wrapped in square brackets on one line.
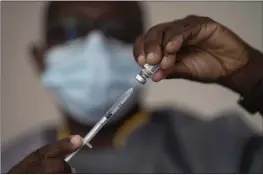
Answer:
[(146, 72)]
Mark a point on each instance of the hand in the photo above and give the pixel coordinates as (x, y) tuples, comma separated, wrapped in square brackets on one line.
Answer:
[(195, 48), (49, 159)]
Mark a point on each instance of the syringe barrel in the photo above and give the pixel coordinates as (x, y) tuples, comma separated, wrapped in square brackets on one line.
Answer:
[(147, 72), (103, 120), (119, 102), (90, 135), (95, 129)]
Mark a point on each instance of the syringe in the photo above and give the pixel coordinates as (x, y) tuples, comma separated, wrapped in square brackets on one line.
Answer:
[(141, 77), (120, 101)]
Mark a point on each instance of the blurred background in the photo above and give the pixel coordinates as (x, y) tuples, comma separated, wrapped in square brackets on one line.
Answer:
[(27, 106)]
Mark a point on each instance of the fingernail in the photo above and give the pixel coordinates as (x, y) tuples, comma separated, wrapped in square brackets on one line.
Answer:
[(168, 61), (76, 140), (151, 57), (169, 46), (141, 60)]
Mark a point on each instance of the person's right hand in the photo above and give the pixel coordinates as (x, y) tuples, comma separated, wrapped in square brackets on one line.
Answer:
[(49, 159), (198, 48)]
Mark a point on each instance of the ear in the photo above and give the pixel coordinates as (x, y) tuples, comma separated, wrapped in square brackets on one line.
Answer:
[(37, 57)]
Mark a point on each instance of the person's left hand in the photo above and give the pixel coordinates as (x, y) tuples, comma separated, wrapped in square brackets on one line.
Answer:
[(50, 158)]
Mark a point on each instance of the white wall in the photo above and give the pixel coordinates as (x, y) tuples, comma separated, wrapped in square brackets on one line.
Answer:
[(26, 106)]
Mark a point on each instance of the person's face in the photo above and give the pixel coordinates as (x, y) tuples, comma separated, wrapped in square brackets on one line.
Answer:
[(73, 20)]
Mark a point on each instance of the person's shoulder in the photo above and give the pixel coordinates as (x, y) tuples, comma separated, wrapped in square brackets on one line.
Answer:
[(231, 121), (169, 113), (225, 135), (15, 150)]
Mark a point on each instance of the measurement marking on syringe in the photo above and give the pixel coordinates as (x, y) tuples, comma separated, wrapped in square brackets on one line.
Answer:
[(108, 115), (120, 105)]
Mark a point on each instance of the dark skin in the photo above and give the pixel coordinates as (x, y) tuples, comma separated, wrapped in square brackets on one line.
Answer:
[(194, 48), (200, 49)]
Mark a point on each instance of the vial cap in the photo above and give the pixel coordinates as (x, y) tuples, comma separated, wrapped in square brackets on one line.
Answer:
[(140, 79)]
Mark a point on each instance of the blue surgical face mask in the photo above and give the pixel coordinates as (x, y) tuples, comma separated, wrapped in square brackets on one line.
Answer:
[(88, 75)]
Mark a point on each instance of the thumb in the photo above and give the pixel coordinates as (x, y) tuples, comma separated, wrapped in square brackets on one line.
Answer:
[(62, 147), (178, 71)]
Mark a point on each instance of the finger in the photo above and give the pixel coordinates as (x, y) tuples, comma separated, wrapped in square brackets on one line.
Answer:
[(138, 51), (62, 147), (189, 31), (186, 37), (167, 64), (175, 44), (52, 166), (168, 61), (179, 70), (153, 44), (158, 76), (172, 39), (183, 69)]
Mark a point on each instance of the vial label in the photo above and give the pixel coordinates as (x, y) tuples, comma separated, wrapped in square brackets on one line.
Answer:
[(150, 70)]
